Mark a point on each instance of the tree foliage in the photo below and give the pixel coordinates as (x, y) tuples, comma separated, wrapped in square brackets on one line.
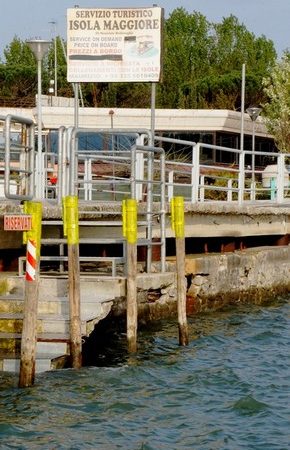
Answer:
[(203, 61), (277, 108), (202, 64), (17, 76)]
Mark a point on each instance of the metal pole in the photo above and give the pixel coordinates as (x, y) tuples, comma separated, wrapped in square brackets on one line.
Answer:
[(150, 180), (243, 105), (53, 23), (76, 105), (163, 213), (39, 47), (253, 112), (55, 64), (39, 168), (242, 155), (253, 155)]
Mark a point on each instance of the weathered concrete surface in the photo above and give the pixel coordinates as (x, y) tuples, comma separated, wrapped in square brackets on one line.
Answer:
[(252, 275), (214, 281), (201, 220)]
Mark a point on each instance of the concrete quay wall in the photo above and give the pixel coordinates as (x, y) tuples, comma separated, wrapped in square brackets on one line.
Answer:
[(214, 281)]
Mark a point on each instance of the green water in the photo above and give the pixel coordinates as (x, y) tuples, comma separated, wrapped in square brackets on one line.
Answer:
[(229, 389)]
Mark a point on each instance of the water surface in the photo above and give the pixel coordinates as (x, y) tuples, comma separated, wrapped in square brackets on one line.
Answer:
[(229, 389)]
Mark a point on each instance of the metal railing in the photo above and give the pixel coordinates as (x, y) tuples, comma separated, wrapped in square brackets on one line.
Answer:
[(200, 180), (198, 172), (17, 158), (131, 173)]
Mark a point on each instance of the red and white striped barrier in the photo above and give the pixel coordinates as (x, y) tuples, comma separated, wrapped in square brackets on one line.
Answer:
[(30, 261)]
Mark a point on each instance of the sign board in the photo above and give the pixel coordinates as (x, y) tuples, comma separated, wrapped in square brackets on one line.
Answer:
[(20, 222), (114, 45)]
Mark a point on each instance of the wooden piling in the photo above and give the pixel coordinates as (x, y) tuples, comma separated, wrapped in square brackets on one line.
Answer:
[(181, 291), (29, 334), (29, 328), (74, 306), (132, 310), (177, 216), (130, 233), (71, 230)]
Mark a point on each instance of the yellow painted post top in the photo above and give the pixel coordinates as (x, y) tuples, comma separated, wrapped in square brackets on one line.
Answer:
[(172, 214), (34, 209), (177, 216), (129, 211), (124, 218), (71, 219)]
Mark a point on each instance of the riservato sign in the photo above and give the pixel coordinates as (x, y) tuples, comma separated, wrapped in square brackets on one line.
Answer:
[(106, 45)]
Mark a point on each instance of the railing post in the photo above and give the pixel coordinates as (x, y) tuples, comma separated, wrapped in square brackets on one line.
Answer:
[(195, 173), (163, 213), (72, 160), (133, 172), (230, 191), (170, 185), (139, 169), (241, 180), (61, 166), (201, 189), (149, 198), (280, 177)]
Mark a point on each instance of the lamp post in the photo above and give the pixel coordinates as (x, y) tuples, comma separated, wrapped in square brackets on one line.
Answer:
[(254, 113), (53, 23), (39, 47)]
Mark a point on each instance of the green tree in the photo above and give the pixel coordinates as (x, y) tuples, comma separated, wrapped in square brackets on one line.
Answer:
[(203, 61), (277, 108), (18, 73), (233, 46), (187, 45)]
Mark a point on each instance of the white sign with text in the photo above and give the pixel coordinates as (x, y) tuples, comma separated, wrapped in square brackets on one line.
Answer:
[(114, 45)]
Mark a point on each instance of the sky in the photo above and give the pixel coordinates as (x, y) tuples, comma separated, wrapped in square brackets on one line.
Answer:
[(28, 19)]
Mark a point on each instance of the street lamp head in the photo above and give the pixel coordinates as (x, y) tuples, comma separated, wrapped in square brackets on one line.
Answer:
[(253, 112), (39, 47)]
